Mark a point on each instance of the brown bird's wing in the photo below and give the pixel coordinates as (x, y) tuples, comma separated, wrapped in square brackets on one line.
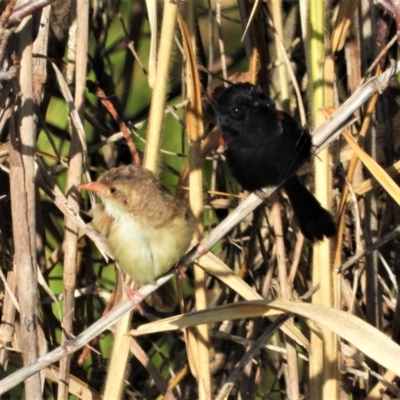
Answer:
[(102, 221)]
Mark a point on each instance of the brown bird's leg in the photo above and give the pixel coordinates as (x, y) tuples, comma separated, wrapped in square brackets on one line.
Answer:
[(134, 296), (181, 269)]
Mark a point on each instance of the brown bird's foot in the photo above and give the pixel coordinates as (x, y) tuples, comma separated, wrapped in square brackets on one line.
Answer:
[(135, 298), (181, 270)]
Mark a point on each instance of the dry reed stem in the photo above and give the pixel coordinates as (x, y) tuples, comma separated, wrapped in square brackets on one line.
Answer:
[(154, 129), (81, 36), (292, 376), (22, 183), (195, 130)]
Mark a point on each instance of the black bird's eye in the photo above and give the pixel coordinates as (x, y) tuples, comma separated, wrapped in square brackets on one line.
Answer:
[(112, 190), (237, 111)]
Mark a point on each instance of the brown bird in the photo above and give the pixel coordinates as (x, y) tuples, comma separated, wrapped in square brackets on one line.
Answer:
[(147, 229)]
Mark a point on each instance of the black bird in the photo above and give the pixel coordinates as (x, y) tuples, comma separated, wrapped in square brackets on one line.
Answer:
[(265, 147)]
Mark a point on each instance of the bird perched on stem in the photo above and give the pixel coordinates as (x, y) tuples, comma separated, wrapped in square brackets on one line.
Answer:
[(147, 229), (265, 147)]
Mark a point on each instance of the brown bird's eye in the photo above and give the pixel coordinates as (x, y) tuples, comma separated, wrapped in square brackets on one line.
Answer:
[(113, 190)]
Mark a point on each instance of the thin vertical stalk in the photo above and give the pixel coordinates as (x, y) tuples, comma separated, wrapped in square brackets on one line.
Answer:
[(280, 71), (156, 117), (7, 322), (194, 126), (330, 281), (373, 288), (221, 40), (22, 184), (73, 179), (292, 377), (323, 359), (39, 78)]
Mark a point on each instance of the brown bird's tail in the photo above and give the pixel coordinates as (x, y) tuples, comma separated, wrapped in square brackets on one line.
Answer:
[(315, 222), (164, 299)]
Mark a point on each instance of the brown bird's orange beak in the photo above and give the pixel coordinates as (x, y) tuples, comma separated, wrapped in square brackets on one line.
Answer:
[(96, 187)]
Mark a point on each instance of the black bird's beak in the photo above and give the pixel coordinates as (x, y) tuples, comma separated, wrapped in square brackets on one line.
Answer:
[(260, 103), (223, 141)]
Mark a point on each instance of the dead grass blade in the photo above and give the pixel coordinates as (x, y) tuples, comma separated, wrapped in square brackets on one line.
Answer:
[(216, 267), (362, 335), (376, 170)]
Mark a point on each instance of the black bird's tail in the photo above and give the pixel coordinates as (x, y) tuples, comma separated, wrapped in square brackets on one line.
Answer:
[(315, 222)]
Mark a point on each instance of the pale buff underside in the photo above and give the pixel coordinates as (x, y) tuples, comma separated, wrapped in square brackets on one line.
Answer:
[(146, 253)]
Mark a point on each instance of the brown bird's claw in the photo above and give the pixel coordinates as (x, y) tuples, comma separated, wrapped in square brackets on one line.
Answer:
[(135, 298), (181, 270)]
